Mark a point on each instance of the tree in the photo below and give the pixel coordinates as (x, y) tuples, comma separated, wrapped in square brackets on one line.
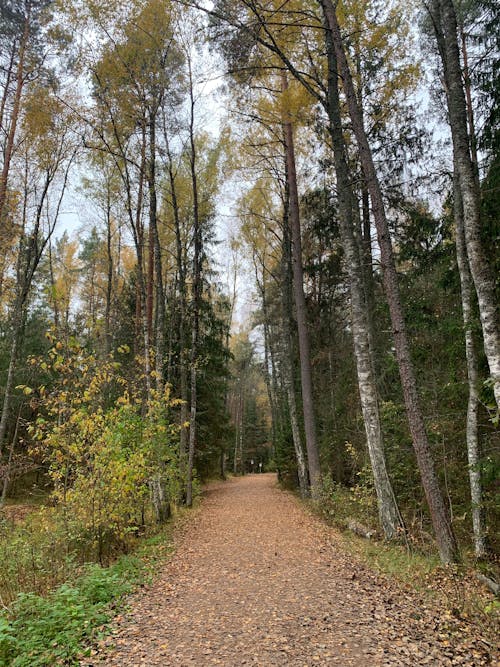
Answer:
[(439, 513), (49, 150), (445, 25)]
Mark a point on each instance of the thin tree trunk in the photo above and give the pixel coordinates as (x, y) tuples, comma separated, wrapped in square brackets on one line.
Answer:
[(55, 305), (438, 509), (150, 284), (237, 430), (389, 515), (470, 109), (153, 224), (466, 289), (9, 70), (300, 307), (288, 360), (197, 239), (17, 334), (109, 283), (267, 374), (8, 470), (9, 148), (182, 313), (445, 24)]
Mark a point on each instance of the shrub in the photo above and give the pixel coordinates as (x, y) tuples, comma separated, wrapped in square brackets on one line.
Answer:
[(54, 630), (112, 454)]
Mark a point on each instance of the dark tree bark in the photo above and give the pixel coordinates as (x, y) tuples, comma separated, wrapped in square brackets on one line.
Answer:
[(181, 273), (196, 298), (158, 270), (288, 357), (390, 517), (9, 147), (110, 272), (438, 509), (313, 462)]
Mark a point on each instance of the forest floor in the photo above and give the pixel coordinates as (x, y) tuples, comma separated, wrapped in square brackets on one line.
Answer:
[(257, 580)]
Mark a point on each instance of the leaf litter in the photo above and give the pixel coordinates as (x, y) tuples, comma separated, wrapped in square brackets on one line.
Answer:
[(257, 580)]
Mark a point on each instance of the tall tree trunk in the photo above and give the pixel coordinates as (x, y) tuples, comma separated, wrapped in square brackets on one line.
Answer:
[(261, 285), (17, 336), (470, 109), (9, 72), (466, 289), (445, 24), (138, 230), (181, 272), (239, 421), (300, 306), (153, 223), (197, 243), (288, 361), (55, 304), (389, 515), (9, 148), (150, 279), (109, 278), (437, 506)]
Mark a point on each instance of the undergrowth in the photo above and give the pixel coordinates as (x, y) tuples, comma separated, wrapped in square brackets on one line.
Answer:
[(453, 588), (57, 629)]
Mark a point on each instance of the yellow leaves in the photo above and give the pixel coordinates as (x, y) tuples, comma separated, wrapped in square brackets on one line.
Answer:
[(123, 400), (296, 102), (383, 55)]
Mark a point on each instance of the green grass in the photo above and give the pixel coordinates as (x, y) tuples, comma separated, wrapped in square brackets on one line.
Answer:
[(393, 560), (60, 627)]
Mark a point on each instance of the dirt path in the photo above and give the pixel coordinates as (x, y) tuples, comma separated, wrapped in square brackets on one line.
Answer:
[(256, 580)]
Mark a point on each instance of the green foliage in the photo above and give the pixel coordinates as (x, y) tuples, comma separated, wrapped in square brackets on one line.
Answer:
[(55, 629), (339, 504), (34, 555), (110, 452)]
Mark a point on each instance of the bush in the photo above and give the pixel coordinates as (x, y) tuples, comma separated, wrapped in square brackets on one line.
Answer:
[(54, 630), (112, 455)]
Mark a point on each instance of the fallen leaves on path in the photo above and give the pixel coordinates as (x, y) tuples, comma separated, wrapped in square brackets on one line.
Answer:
[(256, 580)]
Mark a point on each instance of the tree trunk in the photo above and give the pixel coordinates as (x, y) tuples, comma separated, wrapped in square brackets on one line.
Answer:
[(267, 373), (197, 243), (300, 307), (438, 509), (109, 283), (181, 271), (288, 361), (389, 515), (445, 24), (8, 471), (17, 334), (9, 148), (150, 285), (153, 224), (466, 289)]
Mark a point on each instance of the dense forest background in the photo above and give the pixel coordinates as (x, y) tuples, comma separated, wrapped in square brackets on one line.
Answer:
[(250, 236)]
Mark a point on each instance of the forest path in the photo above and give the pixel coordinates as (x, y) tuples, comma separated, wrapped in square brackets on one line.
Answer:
[(257, 580)]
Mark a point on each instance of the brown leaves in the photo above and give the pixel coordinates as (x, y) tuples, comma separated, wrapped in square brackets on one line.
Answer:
[(257, 581)]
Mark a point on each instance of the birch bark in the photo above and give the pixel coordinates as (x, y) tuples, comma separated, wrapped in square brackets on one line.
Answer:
[(445, 25), (438, 509), (389, 515), (313, 462), (467, 295)]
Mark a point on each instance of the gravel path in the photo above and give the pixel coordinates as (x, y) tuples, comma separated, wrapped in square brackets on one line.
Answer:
[(256, 580)]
